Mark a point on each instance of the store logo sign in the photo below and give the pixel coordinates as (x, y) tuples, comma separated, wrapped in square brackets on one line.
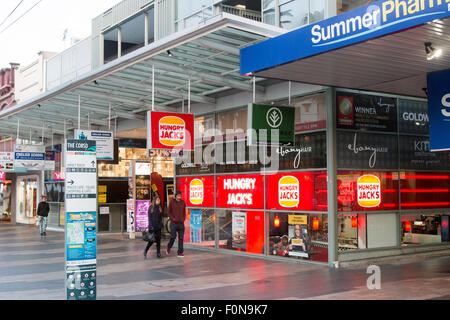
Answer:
[(446, 104), (172, 131), (369, 191), (274, 118), (2, 176), (289, 192), (196, 192)]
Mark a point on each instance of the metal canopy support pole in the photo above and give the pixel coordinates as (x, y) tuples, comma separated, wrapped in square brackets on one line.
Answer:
[(18, 130), (79, 112), (43, 130), (109, 117), (254, 89), (182, 108), (290, 89), (30, 137), (189, 96), (89, 121), (52, 139), (333, 258), (153, 88)]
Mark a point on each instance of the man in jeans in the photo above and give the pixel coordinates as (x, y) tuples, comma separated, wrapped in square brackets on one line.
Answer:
[(42, 212), (177, 215)]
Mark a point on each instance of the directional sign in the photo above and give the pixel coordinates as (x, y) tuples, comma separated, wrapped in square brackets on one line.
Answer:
[(81, 219)]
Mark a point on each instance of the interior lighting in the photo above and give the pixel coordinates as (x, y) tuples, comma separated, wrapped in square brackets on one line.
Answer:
[(276, 222), (407, 226), (316, 224), (354, 222), (431, 51), (169, 53)]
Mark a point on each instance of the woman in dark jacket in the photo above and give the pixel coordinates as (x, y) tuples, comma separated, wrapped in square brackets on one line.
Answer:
[(155, 224)]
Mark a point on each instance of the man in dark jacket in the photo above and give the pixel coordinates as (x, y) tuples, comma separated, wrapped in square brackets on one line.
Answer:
[(42, 212), (177, 215)]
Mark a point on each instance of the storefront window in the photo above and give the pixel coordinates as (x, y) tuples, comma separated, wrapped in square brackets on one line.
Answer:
[(316, 11), (367, 191), (241, 231), (27, 199), (234, 121), (347, 5), (299, 236), (424, 190), (5, 201), (424, 229), (200, 228), (204, 127), (367, 231), (294, 14)]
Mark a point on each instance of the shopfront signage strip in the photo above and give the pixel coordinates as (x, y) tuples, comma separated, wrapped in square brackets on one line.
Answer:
[(375, 20)]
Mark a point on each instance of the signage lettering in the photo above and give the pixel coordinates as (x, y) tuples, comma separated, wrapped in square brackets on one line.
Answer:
[(239, 184), (417, 117), (373, 157), (446, 104)]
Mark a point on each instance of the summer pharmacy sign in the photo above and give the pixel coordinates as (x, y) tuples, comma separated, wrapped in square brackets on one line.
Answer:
[(375, 20)]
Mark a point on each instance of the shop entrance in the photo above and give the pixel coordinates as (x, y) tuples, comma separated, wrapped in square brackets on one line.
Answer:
[(27, 199)]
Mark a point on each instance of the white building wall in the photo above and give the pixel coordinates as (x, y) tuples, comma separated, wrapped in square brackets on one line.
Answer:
[(70, 64), (30, 79)]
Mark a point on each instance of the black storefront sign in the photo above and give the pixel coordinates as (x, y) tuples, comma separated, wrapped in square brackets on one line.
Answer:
[(357, 150), (413, 117), (366, 112), (415, 155), (186, 165), (237, 156), (309, 152)]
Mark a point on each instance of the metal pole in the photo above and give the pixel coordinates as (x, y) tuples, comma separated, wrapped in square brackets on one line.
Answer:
[(153, 88), (30, 137), (89, 121), (115, 127), (42, 140), (332, 180), (79, 112), (290, 88), (189, 96), (109, 117), (254, 89), (18, 130)]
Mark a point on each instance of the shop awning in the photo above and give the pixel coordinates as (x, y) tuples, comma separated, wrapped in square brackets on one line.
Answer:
[(207, 56), (379, 47)]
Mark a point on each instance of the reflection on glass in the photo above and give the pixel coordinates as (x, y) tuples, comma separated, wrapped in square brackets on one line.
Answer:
[(317, 10), (299, 236), (294, 14), (200, 230), (424, 229)]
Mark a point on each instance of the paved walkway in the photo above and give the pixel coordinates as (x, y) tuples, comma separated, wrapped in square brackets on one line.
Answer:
[(33, 268)]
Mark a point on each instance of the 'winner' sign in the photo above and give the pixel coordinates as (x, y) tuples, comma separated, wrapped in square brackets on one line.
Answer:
[(171, 131)]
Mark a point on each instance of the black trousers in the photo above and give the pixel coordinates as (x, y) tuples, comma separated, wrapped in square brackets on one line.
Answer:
[(174, 229), (158, 242)]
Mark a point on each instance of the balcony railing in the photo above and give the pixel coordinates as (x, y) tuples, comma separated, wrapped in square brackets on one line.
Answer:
[(249, 14)]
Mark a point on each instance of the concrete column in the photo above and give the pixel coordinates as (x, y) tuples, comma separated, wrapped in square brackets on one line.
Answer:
[(332, 177), (101, 50)]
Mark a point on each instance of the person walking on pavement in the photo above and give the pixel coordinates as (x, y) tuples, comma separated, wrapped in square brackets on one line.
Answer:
[(42, 212), (155, 225), (177, 215)]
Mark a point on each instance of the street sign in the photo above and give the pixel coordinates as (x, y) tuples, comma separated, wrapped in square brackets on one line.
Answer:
[(81, 219)]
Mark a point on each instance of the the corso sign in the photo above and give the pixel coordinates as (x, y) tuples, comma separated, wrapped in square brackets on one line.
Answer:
[(170, 131)]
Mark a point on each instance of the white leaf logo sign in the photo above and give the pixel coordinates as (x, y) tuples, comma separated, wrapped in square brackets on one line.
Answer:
[(274, 117)]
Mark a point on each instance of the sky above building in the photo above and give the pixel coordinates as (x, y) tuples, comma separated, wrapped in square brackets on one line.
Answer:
[(48, 26)]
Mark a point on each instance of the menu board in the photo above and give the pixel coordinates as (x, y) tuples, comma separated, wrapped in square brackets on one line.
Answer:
[(357, 150), (366, 112)]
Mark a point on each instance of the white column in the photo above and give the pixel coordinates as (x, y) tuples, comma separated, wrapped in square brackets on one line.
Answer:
[(119, 42)]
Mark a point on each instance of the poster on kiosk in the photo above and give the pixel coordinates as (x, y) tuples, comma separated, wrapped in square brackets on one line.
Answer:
[(81, 219)]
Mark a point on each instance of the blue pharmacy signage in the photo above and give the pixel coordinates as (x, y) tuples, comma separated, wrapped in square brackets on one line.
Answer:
[(439, 110), (374, 20)]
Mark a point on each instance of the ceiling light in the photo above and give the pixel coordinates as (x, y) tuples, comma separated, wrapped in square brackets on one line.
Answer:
[(169, 53), (431, 51)]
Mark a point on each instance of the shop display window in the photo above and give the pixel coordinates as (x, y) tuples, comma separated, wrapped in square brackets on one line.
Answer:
[(424, 190), (367, 191), (351, 232), (5, 201), (299, 236), (241, 231), (424, 229), (200, 228), (310, 112)]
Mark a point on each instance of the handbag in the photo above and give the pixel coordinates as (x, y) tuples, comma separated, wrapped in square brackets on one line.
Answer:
[(148, 236)]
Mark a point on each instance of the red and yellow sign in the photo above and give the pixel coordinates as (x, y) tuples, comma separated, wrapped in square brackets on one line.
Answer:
[(171, 131), (369, 191), (289, 192), (196, 192)]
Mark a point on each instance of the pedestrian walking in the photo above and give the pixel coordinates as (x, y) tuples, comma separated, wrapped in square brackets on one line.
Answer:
[(155, 225), (42, 212), (177, 215)]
